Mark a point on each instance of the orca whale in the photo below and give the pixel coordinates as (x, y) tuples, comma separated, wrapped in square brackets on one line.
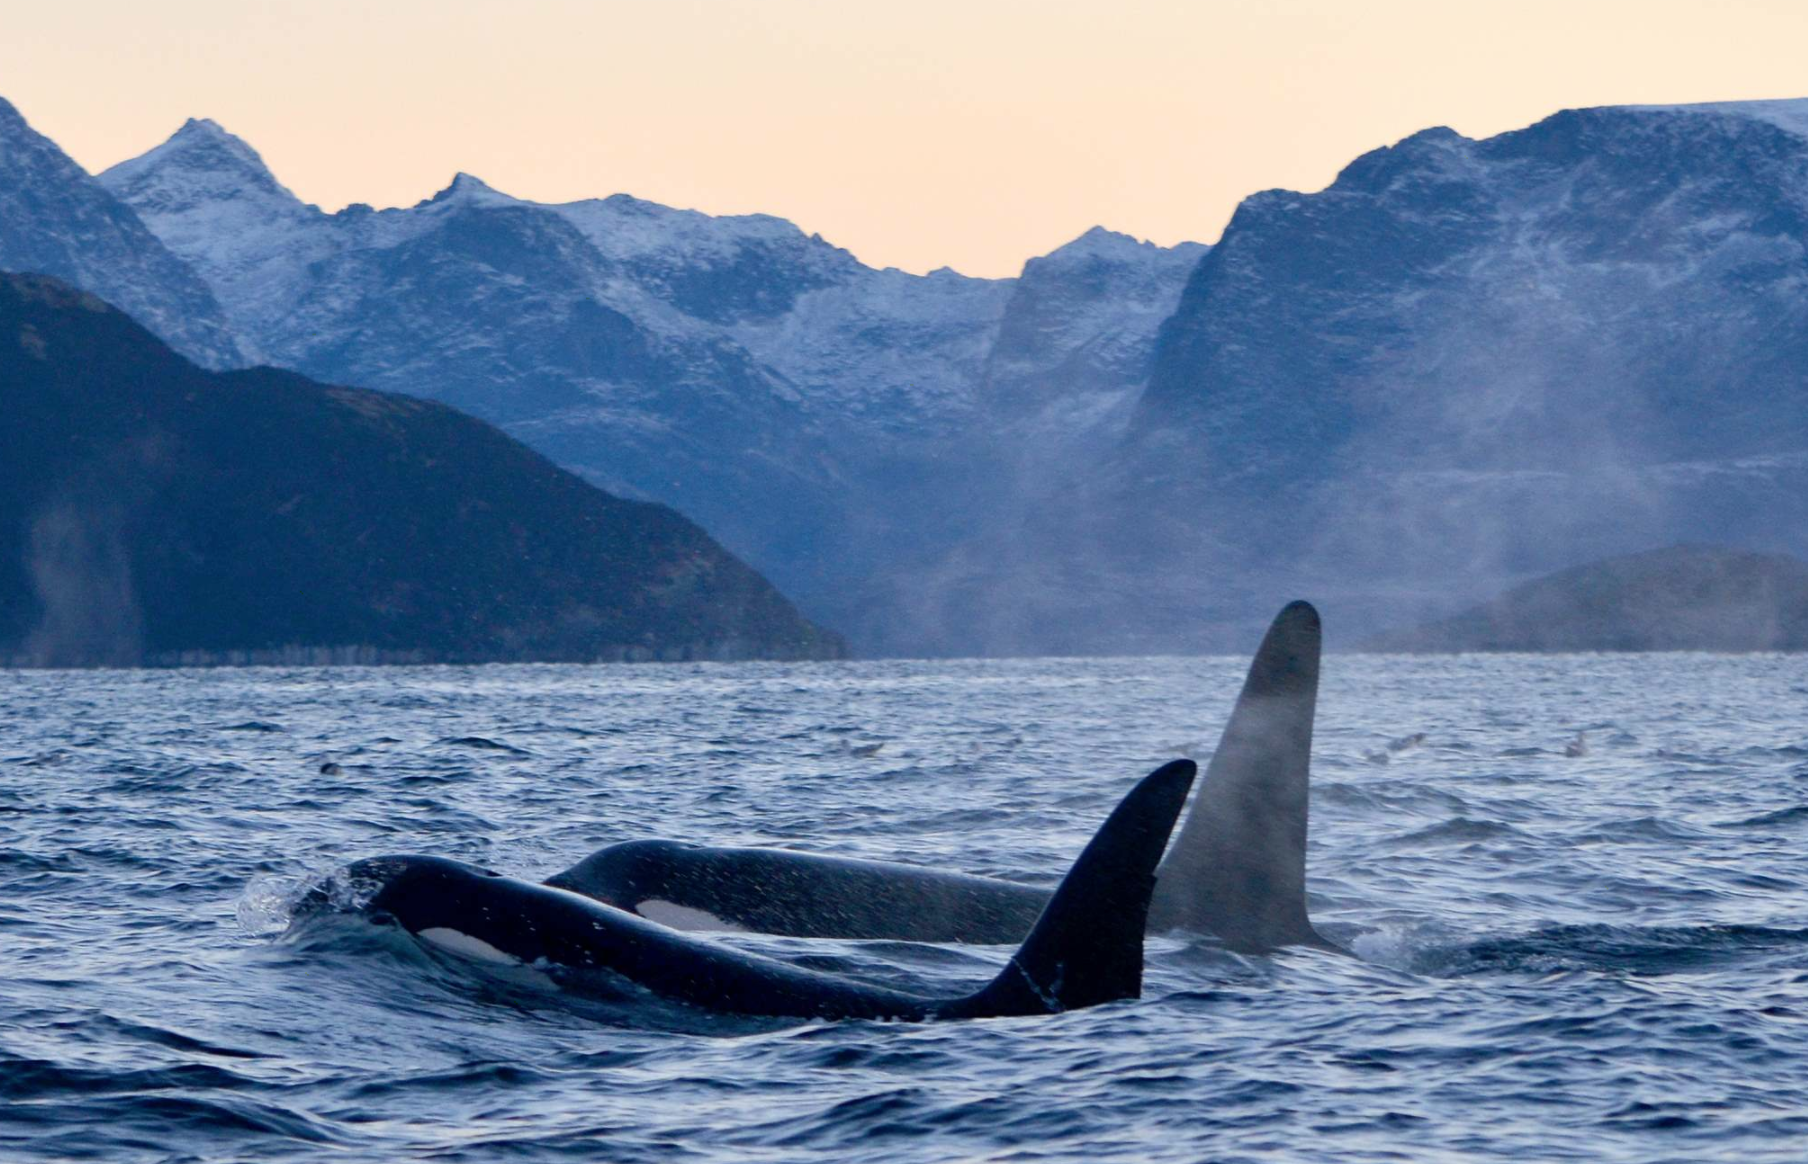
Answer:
[(1237, 869), (1085, 948)]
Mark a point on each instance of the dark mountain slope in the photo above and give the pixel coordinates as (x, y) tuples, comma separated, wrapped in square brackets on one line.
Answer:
[(149, 509), (1685, 598)]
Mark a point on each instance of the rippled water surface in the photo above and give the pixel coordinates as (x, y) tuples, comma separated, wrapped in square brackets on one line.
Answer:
[(1594, 957)]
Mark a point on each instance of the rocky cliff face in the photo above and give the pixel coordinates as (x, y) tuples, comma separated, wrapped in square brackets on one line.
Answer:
[(57, 220), (1468, 360), (1631, 275), (154, 512), (1077, 337)]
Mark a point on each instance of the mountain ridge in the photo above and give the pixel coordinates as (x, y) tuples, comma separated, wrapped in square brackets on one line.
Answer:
[(823, 418)]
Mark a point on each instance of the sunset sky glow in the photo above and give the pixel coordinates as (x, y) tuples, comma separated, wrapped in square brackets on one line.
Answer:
[(973, 134)]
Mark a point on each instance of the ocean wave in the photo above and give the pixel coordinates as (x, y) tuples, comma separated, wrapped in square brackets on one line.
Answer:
[(1600, 956)]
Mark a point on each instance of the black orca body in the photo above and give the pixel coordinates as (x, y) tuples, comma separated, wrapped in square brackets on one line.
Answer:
[(1086, 947), (805, 895), (1237, 869)]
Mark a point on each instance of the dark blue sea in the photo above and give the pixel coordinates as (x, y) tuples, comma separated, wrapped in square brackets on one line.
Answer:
[(1600, 956)]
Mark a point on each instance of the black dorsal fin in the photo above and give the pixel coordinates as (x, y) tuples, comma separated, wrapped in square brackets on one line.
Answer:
[(1087, 946), (1238, 868)]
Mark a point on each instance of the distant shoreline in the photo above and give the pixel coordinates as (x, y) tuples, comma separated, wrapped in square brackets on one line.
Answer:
[(367, 656), (335, 659), (1681, 598)]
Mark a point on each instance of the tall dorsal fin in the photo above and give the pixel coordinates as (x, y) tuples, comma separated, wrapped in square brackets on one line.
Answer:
[(1087, 947), (1238, 868)]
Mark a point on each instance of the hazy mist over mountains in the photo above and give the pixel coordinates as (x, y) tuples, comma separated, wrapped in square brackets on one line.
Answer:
[(1462, 363), (1470, 360)]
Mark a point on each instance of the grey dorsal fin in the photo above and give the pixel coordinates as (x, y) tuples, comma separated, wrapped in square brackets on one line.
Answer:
[(1238, 869), (1087, 947)]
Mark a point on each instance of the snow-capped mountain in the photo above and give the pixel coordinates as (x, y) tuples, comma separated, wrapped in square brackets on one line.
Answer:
[(836, 337), (824, 419), (1468, 361), (1462, 363), (213, 201), (57, 220)]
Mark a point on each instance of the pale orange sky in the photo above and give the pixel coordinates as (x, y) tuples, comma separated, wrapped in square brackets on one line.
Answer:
[(971, 133)]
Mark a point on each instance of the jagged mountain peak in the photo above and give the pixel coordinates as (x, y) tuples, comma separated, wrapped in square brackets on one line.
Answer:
[(1096, 239), (200, 162), (1104, 244), (202, 136), (205, 129), (57, 219), (469, 190)]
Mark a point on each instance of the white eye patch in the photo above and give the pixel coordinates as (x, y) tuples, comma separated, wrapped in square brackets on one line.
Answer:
[(467, 946), (683, 917)]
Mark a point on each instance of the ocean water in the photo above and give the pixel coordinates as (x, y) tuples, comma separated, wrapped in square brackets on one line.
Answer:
[(1597, 957)]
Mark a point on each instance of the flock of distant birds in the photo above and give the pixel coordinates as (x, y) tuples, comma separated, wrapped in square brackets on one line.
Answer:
[(634, 910)]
